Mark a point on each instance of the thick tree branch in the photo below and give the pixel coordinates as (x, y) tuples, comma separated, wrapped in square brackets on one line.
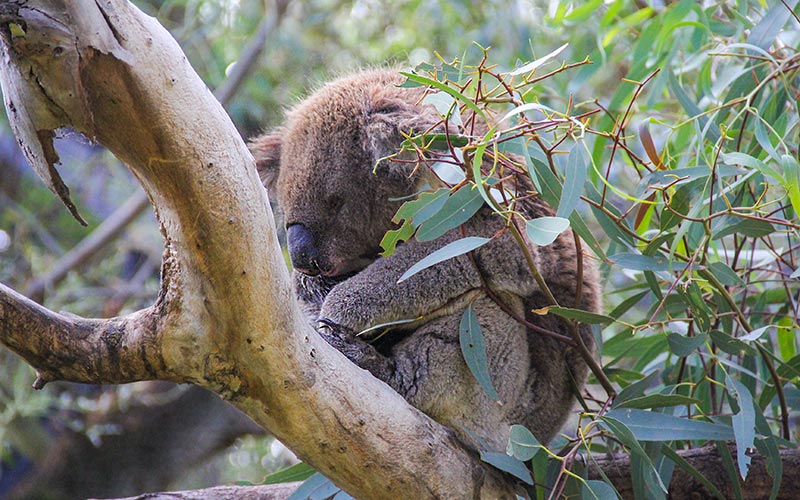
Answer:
[(60, 347), (266, 492), (225, 318)]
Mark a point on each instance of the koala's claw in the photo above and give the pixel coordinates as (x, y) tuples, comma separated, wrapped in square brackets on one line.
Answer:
[(342, 339), (333, 332), (330, 326)]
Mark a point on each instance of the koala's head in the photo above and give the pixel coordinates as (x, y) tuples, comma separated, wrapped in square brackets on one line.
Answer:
[(321, 167)]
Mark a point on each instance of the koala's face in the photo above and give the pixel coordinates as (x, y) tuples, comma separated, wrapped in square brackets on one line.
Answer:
[(322, 166)]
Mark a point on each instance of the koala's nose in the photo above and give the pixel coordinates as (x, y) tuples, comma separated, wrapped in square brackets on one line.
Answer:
[(302, 249)]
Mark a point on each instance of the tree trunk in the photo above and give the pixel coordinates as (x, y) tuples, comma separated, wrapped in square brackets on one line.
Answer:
[(225, 318)]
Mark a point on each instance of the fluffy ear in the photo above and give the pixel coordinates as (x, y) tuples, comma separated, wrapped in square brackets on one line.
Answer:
[(266, 150), (391, 118)]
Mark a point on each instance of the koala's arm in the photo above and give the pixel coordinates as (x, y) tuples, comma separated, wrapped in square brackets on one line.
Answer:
[(373, 296)]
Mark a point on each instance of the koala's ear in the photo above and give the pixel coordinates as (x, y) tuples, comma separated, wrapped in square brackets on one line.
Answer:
[(266, 150), (391, 118)]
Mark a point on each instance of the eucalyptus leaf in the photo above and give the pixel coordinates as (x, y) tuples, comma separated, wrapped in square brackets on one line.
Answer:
[(533, 65), (725, 274), (453, 249), (574, 179), (474, 351), (297, 472), (658, 401), (753, 228), (645, 476), (456, 210), (579, 315), (316, 487), (522, 444), (508, 464), (765, 31), (682, 346), (544, 230), (652, 426), (422, 208), (744, 422), (639, 262), (593, 489)]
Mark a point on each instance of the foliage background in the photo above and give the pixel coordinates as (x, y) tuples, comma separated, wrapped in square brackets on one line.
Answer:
[(689, 181)]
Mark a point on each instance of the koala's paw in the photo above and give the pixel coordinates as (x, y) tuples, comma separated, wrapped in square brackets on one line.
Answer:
[(342, 338)]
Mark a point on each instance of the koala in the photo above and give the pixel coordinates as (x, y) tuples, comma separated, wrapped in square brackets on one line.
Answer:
[(328, 167)]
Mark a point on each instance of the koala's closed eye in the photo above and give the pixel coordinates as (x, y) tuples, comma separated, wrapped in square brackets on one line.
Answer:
[(385, 109)]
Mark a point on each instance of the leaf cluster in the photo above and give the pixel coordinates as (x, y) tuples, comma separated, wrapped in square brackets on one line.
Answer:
[(683, 184)]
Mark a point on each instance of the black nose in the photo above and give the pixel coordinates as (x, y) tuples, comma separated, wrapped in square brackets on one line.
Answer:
[(302, 249)]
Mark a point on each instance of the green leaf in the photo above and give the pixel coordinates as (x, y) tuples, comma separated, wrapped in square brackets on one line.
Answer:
[(574, 178), (587, 317), (763, 33), (393, 237), (737, 158), (297, 472), (444, 88), (768, 447), (730, 345), (710, 131), (639, 262), (652, 426), (508, 464), (658, 401), (791, 173), (645, 468), (593, 489), (762, 136), (636, 389), (753, 228), (425, 206), (436, 142), (531, 66), (452, 249), (725, 274), (316, 487), (682, 346), (544, 230), (730, 468), (458, 209), (683, 464), (522, 444), (446, 105), (474, 351), (744, 422)]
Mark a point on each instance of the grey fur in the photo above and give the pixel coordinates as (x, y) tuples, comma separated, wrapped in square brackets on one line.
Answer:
[(321, 165)]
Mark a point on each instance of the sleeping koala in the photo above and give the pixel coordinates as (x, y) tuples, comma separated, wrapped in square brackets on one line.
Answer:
[(338, 195)]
